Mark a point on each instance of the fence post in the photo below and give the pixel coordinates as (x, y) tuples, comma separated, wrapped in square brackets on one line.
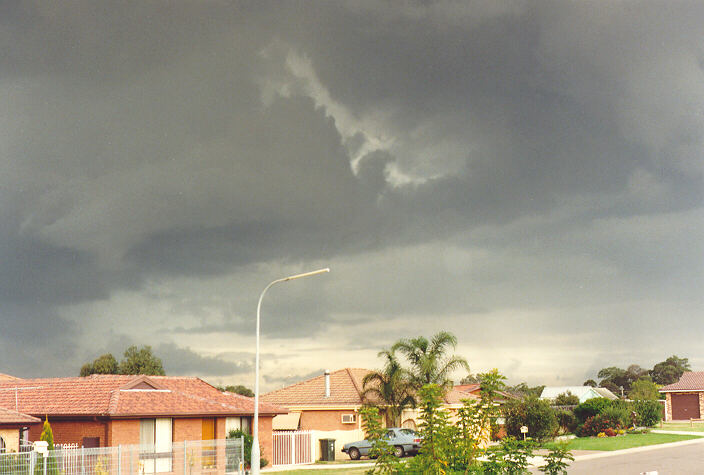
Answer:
[(46, 461), (185, 457), (242, 453), (119, 459), (83, 460)]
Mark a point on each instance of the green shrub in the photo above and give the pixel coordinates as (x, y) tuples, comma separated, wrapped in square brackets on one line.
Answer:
[(648, 413), (619, 413), (590, 408), (248, 440), (566, 399), (566, 420), (534, 413)]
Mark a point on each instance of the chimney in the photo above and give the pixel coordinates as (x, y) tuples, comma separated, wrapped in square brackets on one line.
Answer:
[(327, 383)]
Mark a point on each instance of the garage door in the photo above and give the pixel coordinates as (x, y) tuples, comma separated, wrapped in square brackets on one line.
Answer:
[(685, 406)]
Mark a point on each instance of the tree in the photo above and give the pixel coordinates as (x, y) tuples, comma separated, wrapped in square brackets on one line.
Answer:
[(239, 389), (428, 360), (390, 387), (47, 436), (567, 399), (670, 370), (471, 379), (491, 383), (536, 414), (644, 389), (614, 379), (590, 382), (141, 361), (104, 364), (523, 390)]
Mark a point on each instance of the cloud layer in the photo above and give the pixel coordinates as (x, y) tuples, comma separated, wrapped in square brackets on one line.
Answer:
[(525, 174)]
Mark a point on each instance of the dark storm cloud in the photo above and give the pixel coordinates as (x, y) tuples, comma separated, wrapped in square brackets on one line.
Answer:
[(179, 361), (450, 157)]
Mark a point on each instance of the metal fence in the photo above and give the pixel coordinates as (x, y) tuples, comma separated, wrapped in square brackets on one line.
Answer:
[(293, 447), (190, 457)]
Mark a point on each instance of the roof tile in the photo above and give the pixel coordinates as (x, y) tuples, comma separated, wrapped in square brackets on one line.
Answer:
[(690, 381), (105, 395)]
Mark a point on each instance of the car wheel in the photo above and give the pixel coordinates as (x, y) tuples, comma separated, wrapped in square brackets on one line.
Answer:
[(354, 453), (398, 451)]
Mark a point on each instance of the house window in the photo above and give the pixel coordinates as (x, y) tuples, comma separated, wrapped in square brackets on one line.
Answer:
[(238, 423), (349, 418), (2, 446), (155, 438)]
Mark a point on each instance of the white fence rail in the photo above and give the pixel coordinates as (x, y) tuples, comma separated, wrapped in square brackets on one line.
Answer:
[(293, 447), (190, 457)]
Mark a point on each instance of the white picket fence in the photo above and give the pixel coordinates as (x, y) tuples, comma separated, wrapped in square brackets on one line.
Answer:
[(293, 447)]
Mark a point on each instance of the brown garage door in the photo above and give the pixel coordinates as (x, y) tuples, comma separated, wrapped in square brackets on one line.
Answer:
[(685, 406)]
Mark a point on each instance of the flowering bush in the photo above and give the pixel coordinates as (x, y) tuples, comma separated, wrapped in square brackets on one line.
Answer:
[(610, 432), (596, 424), (601, 435)]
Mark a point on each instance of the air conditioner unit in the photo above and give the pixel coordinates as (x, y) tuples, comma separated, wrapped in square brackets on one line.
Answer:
[(349, 418)]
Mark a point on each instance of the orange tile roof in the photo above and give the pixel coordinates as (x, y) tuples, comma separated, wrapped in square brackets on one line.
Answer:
[(7, 377), (8, 416), (345, 390), (690, 381), (120, 396), (456, 395)]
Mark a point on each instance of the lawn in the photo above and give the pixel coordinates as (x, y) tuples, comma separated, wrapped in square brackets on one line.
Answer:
[(625, 441), (332, 471), (685, 426)]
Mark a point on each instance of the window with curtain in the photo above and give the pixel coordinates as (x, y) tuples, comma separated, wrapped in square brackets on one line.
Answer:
[(156, 437)]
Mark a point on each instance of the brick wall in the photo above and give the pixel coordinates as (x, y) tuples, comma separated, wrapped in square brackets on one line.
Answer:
[(72, 432), (123, 432), (668, 407), (188, 429), (326, 420), (266, 438)]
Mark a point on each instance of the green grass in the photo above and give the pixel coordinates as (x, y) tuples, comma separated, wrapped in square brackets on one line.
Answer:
[(624, 441), (684, 426), (323, 471)]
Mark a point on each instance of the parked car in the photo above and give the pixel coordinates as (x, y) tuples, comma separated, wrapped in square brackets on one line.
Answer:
[(404, 441)]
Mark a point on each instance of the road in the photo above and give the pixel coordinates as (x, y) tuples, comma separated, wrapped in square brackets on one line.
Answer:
[(685, 459)]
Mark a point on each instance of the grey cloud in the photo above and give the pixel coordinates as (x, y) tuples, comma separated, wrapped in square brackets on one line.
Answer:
[(178, 361), (551, 152)]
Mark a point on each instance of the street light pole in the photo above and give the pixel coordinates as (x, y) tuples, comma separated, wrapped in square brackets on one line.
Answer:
[(256, 455)]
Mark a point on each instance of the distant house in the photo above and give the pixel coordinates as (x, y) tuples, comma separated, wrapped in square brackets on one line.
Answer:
[(12, 425), (684, 400), (582, 392), (327, 404), (111, 410)]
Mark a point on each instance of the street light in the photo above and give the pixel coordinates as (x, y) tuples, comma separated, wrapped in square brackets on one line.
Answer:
[(255, 432)]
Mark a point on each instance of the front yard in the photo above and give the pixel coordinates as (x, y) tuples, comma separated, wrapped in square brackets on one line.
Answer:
[(683, 426), (624, 441)]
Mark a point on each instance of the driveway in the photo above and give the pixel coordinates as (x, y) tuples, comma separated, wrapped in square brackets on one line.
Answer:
[(684, 458)]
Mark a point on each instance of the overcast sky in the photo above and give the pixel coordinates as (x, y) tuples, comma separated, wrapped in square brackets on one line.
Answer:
[(527, 175)]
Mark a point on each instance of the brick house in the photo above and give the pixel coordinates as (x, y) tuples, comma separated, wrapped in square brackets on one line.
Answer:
[(111, 410), (684, 400), (327, 404)]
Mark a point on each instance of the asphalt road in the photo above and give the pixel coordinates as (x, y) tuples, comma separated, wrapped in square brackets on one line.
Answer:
[(673, 460)]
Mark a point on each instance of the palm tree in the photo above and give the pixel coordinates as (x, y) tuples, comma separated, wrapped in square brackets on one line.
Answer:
[(429, 363), (389, 387)]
